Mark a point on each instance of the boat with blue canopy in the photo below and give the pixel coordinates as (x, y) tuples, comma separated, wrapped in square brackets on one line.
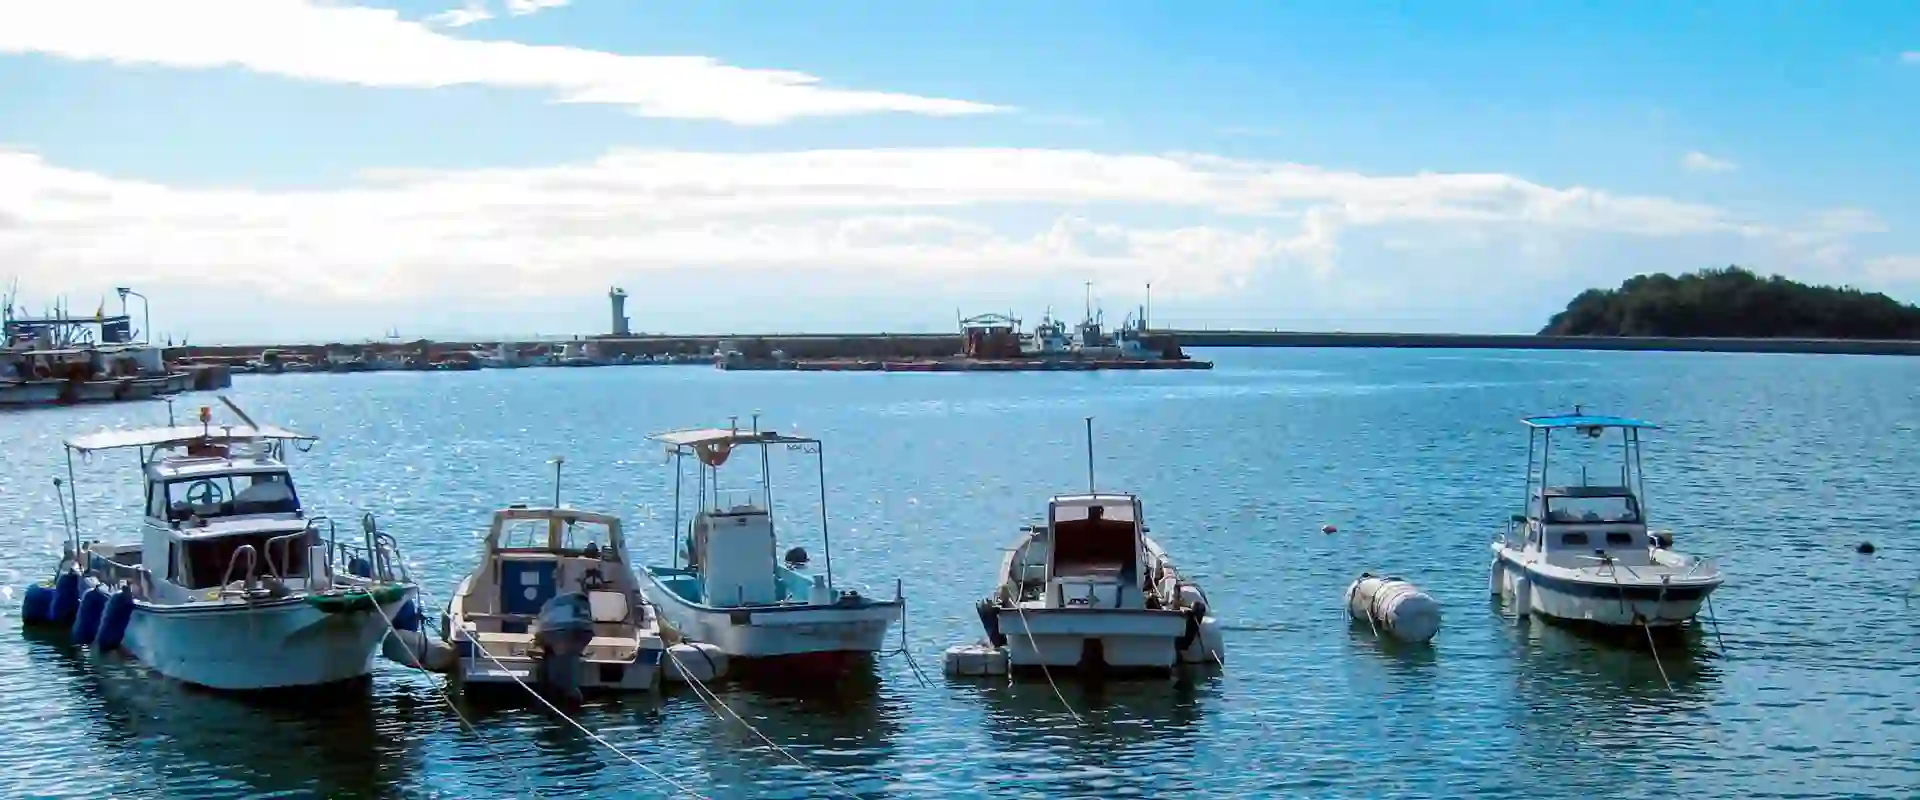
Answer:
[(1582, 551)]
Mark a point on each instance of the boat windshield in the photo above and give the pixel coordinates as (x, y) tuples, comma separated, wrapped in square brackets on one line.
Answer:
[(226, 495), (1601, 509), (574, 536)]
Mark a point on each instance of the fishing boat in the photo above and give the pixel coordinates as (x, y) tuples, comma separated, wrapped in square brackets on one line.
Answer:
[(1583, 552), (554, 603), (725, 587), (231, 585), (1089, 588)]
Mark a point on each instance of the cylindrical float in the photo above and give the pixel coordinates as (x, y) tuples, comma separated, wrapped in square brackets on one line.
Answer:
[(694, 662), (86, 621), (66, 596), (37, 609), (113, 622), (1394, 606)]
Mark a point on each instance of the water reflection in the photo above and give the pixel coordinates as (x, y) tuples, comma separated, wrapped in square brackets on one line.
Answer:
[(187, 741), (844, 731), (1125, 735)]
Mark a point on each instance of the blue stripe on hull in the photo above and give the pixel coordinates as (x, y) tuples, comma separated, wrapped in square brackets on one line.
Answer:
[(1612, 591)]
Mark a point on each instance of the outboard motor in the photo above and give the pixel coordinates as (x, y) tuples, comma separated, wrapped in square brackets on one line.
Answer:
[(561, 632)]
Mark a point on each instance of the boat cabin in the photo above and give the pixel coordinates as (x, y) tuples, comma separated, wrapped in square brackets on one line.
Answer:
[(220, 506), (532, 555), (1094, 552), (1574, 524)]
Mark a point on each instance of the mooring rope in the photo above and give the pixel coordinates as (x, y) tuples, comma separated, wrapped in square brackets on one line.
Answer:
[(479, 648), (441, 690), (1038, 656), (1644, 627), (715, 704)]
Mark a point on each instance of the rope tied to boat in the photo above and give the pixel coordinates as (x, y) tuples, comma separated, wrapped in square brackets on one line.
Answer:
[(441, 690), (478, 648), (1035, 644), (715, 704), (1652, 648)]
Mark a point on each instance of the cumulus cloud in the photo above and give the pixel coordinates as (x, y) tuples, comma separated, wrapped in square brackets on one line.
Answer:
[(1200, 227), (330, 42), (1697, 161)]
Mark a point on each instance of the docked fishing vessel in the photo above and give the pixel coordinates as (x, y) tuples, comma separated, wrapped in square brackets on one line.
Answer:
[(1583, 552), (555, 603), (1089, 588), (725, 587), (231, 585)]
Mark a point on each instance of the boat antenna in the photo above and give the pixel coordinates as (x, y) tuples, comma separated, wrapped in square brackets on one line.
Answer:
[(558, 461), (169, 411), (1090, 455)]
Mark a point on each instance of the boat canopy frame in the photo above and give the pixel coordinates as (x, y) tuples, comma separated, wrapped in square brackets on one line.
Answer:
[(711, 448), (1540, 442), (148, 442)]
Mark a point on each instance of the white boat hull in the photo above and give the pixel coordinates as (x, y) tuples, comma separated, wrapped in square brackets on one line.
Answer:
[(1057, 637), (271, 644), (1624, 603), (776, 631)]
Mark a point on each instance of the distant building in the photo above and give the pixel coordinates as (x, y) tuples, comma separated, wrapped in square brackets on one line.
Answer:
[(618, 299)]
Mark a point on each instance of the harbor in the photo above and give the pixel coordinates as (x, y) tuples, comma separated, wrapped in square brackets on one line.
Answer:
[(1327, 606)]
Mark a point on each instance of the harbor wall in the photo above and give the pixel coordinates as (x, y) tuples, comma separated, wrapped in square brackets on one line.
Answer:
[(1231, 338)]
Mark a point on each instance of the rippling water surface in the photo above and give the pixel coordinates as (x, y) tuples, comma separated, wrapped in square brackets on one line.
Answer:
[(1777, 464)]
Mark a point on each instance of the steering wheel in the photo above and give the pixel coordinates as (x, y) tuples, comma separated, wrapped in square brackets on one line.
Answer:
[(205, 493), (592, 581)]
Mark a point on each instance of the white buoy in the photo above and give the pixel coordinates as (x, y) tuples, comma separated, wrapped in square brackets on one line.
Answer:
[(701, 661), (975, 661), (1394, 607), (1210, 646), (420, 650)]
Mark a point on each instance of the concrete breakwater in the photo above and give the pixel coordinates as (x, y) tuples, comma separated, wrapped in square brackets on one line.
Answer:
[(883, 345), (1243, 338)]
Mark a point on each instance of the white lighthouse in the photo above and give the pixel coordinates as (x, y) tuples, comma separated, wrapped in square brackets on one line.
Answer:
[(618, 298)]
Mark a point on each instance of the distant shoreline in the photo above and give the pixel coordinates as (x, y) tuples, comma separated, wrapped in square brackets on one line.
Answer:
[(940, 345), (1512, 341)]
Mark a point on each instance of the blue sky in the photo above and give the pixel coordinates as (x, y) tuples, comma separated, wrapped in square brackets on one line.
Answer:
[(326, 170)]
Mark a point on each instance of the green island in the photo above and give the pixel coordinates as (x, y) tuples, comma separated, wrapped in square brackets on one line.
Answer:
[(1734, 303)]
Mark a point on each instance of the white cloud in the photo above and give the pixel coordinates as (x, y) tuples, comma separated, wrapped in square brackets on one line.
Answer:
[(1204, 228), (1894, 269), (474, 11), (1697, 161), (320, 41), (521, 8)]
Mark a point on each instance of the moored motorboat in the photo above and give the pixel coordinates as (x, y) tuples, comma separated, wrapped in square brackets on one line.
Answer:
[(726, 588), (554, 603), (1583, 552), (1090, 588), (232, 586)]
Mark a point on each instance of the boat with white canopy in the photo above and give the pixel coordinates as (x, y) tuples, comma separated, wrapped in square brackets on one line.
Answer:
[(232, 585), (726, 588), (1582, 552)]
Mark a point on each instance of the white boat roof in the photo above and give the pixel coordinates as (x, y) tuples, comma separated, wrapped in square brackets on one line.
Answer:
[(697, 437), (216, 465), (1096, 499), (553, 515), (179, 435)]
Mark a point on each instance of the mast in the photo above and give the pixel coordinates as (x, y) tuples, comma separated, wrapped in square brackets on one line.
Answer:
[(1090, 455), (557, 462)]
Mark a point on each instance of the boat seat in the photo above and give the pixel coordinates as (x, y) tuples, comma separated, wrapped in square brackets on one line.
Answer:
[(609, 606), (612, 648)]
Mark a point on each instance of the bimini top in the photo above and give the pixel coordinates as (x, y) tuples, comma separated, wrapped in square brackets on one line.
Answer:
[(182, 435), (1585, 421), (726, 438)]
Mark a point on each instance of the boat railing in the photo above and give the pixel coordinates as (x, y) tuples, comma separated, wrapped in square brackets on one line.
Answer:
[(383, 561), (282, 548), (252, 574), (135, 575)]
